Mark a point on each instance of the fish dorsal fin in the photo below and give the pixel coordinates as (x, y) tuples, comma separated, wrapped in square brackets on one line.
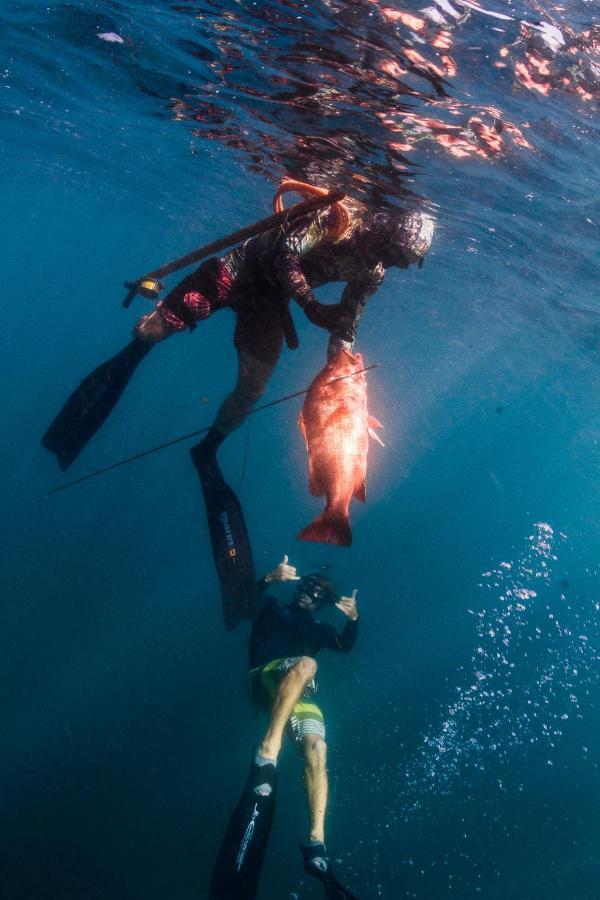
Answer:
[(360, 492)]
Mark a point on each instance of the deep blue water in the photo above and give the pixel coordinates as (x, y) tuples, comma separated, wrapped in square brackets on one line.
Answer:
[(463, 730)]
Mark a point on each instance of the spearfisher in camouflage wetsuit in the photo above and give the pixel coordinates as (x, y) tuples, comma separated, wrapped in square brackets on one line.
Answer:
[(257, 280)]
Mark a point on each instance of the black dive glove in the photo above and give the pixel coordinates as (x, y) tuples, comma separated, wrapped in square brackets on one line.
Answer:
[(323, 315)]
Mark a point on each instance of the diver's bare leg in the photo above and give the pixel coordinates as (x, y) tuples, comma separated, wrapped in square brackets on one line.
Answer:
[(253, 375), (315, 778), (290, 690)]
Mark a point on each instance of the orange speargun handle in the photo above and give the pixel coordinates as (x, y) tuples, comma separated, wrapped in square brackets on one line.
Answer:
[(309, 192)]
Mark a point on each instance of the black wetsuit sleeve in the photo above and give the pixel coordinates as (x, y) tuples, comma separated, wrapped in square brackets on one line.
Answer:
[(271, 604), (354, 299), (308, 235), (343, 641), (260, 601)]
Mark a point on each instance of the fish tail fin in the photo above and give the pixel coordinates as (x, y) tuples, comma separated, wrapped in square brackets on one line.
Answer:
[(332, 526)]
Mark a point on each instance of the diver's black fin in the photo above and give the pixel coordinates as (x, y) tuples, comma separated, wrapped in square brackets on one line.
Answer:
[(336, 891), (228, 535), (240, 858), (317, 864), (91, 403)]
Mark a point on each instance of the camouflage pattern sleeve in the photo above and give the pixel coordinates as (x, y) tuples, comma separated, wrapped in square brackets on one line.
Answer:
[(309, 234), (354, 299)]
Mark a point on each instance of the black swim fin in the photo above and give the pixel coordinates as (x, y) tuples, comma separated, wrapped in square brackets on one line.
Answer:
[(228, 534), (336, 891), (240, 858), (91, 403), (317, 864)]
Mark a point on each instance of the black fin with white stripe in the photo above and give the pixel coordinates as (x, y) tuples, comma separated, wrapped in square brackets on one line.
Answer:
[(239, 862)]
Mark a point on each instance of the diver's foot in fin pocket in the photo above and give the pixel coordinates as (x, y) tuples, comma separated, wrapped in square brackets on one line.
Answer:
[(262, 780), (317, 864), (237, 869), (228, 533), (91, 403)]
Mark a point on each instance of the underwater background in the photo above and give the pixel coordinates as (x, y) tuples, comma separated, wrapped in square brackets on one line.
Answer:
[(463, 729)]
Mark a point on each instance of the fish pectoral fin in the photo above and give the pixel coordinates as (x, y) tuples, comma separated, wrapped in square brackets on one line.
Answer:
[(314, 483), (360, 492), (376, 437), (374, 423)]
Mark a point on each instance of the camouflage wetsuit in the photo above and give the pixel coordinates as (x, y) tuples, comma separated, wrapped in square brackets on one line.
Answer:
[(258, 278)]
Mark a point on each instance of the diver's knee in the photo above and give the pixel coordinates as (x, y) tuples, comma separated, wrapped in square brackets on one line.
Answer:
[(253, 376), (315, 751), (307, 667), (249, 392), (244, 397)]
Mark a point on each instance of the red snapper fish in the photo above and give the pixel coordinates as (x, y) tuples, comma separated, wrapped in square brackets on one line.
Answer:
[(336, 425)]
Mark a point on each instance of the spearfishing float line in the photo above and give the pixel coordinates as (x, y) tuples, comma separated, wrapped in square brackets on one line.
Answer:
[(185, 437)]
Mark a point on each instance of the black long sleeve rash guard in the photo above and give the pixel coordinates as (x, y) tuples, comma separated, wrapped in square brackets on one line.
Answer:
[(281, 631)]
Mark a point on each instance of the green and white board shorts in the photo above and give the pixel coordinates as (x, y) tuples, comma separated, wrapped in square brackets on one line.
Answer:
[(306, 717)]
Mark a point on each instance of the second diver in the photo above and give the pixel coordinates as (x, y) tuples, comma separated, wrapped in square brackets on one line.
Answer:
[(282, 668)]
